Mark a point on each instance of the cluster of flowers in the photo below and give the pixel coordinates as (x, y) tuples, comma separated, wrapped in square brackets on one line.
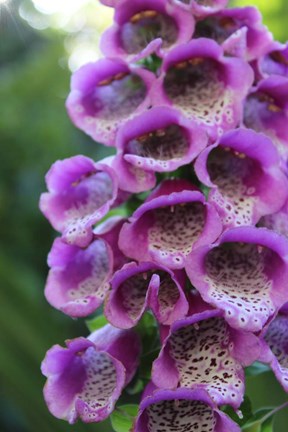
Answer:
[(198, 91)]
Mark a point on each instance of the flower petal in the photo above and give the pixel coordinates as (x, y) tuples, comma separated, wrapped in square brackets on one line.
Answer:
[(78, 280), (239, 30), (266, 111), (144, 26), (244, 274), (169, 226), (80, 193), (86, 378), (182, 410), (137, 287), (275, 60), (204, 85), (243, 169), (200, 350), (160, 140), (275, 349), (105, 94)]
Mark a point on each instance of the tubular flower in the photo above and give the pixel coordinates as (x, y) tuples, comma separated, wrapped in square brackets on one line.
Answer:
[(146, 26), (169, 225), (160, 140), (86, 378), (182, 410), (202, 8), (243, 169), (275, 61), (239, 30), (244, 274), (109, 231), (137, 287), (80, 193), (275, 348), (203, 350), (204, 85), (79, 278), (278, 221), (266, 110), (105, 94), (193, 97)]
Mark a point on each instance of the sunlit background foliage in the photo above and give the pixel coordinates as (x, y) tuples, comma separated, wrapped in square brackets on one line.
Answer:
[(41, 41)]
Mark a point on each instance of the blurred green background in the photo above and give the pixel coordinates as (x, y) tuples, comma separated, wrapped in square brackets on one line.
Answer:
[(40, 42)]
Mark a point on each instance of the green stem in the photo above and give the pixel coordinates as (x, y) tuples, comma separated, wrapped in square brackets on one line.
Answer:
[(274, 411)]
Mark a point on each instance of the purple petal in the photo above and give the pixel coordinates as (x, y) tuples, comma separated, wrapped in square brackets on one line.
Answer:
[(243, 170), (203, 350), (244, 274), (239, 30), (109, 231), (169, 226), (132, 178), (185, 410), (275, 349), (115, 342), (105, 94), (80, 193), (79, 278), (137, 287), (202, 8), (144, 26), (277, 221), (160, 140), (275, 61), (266, 110), (82, 381), (204, 85), (110, 3)]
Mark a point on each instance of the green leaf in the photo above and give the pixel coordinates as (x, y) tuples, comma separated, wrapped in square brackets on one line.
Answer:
[(122, 211), (123, 417), (256, 369), (205, 190), (147, 329), (135, 387), (96, 323), (267, 426), (260, 422)]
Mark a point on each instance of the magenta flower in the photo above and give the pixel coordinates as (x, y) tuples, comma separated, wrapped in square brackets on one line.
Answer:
[(266, 110), (182, 410), (275, 348), (138, 287), (132, 178), (79, 278), (202, 8), (144, 27), (86, 378), (110, 3), (80, 193), (105, 94), (239, 30), (275, 60), (109, 231), (160, 140), (243, 170), (244, 274), (278, 221), (205, 86), (203, 350), (172, 222)]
